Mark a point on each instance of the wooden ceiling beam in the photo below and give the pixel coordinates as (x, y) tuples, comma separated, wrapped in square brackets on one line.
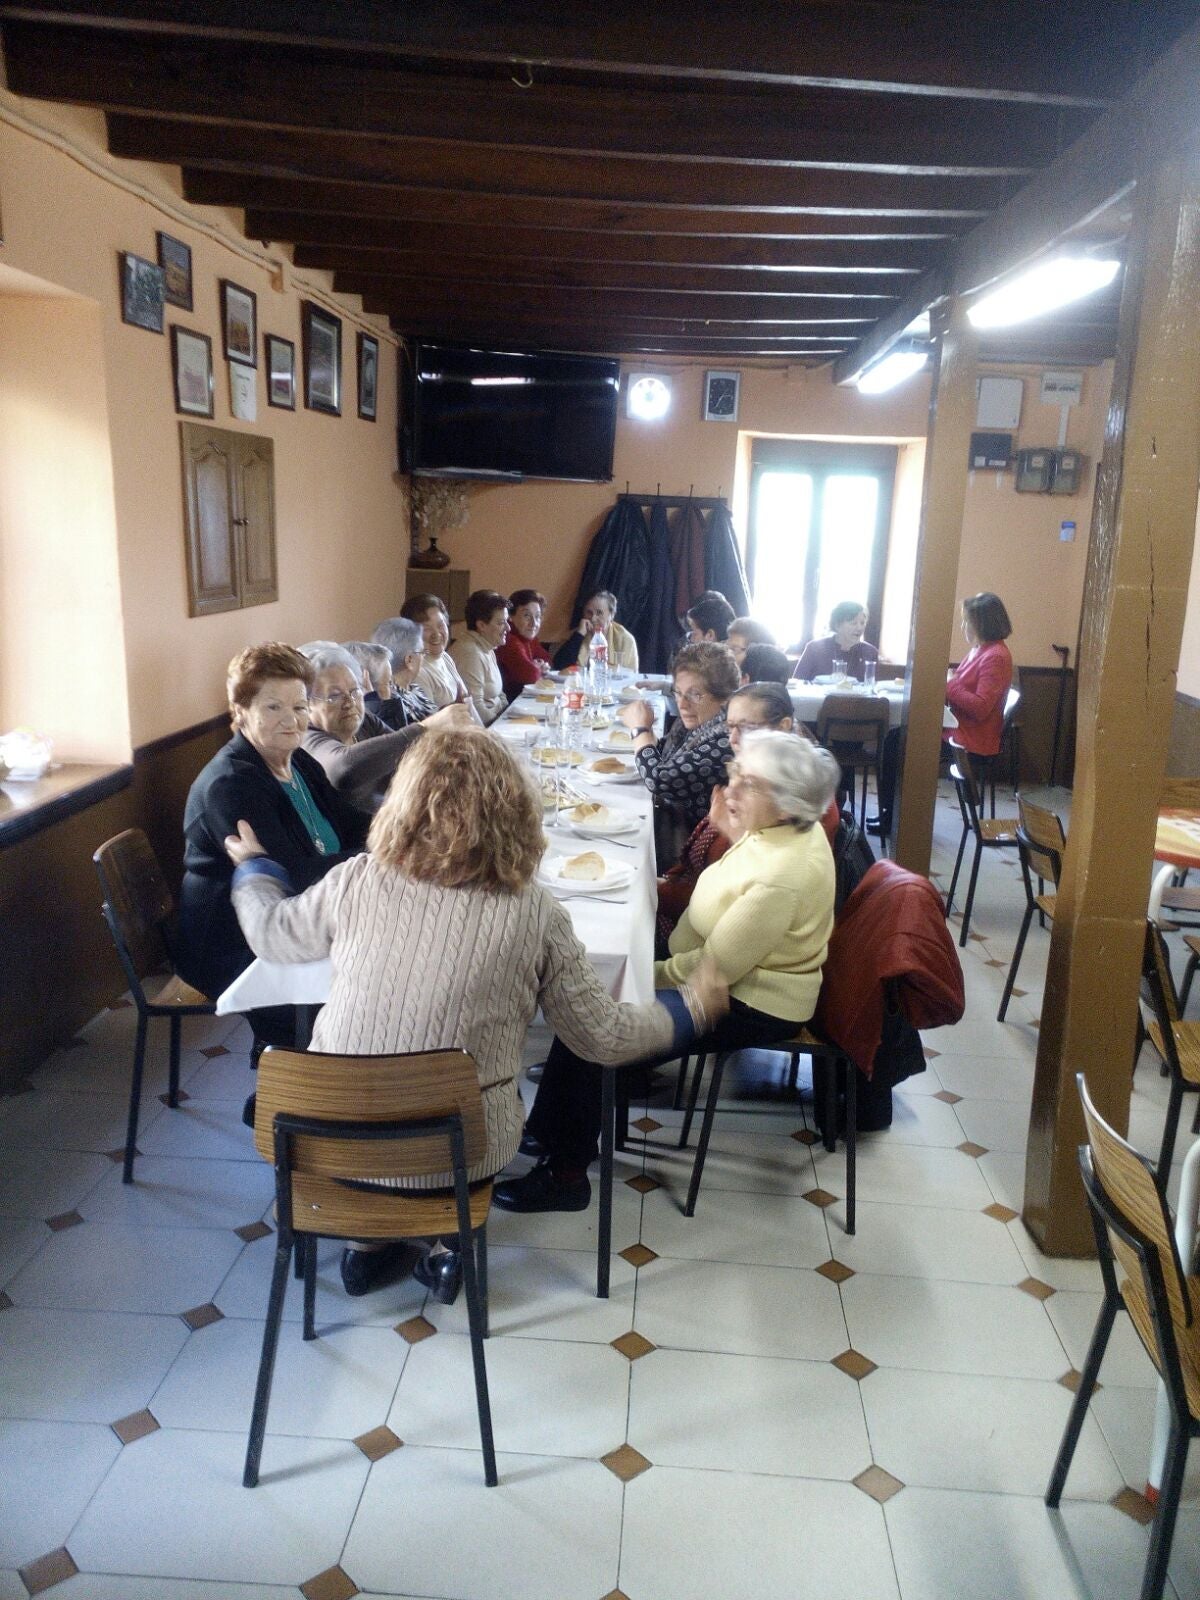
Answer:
[(621, 180), (434, 243), (382, 203), (295, 88), (1004, 51)]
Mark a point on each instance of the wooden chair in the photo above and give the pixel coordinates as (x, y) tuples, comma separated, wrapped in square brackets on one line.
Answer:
[(1041, 843), (138, 909), (1135, 1238), (1177, 1042), (854, 727), (988, 833), (333, 1126)]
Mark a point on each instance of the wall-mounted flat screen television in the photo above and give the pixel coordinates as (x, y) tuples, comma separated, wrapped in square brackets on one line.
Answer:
[(503, 414)]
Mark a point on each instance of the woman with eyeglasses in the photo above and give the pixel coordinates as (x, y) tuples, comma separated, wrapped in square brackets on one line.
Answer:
[(681, 769), (761, 916)]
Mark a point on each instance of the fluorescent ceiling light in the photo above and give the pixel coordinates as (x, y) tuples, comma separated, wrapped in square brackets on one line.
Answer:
[(1046, 287), (893, 369)]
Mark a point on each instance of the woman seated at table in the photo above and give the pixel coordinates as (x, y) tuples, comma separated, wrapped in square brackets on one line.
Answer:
[(357, 751), (474, 653), (522, 658), (441, 939), (437, 677), (709, 618), (599, 615), (761, 915), (744, 632), (977, 688), (757, 706), (848, 620), (375, 665), (264, 777), (764, 663), (681, 769)]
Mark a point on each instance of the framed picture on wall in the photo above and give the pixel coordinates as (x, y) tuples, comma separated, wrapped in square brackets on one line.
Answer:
[(142, 293), (322, 360), (368, 376), (175, 258), (239, 323), (721, 394), (281, 373), (192, 365)]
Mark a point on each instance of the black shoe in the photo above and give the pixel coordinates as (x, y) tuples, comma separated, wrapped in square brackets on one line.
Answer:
[(441, 1274), (531, 1145), (540, 1190), (534, 1073), (248, 1110), (364, 1270), (879, 826)]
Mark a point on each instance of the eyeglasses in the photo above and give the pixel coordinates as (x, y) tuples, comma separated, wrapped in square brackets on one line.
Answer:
[(748, 727), (693, 697), (337, 697)]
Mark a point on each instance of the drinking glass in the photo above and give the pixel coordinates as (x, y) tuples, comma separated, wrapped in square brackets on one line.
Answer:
[(839, 670), (869, 675)]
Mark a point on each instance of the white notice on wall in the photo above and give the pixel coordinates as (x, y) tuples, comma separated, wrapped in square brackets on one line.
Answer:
[(998, 403), (1062, 388), (243, 392)]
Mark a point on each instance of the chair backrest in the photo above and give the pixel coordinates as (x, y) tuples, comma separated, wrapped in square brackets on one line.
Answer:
[(137, 902), (1160, 989), (1012, 701), (1041, 840), (1133, 1191), (963, 780), (853, 719), (1181, 794)]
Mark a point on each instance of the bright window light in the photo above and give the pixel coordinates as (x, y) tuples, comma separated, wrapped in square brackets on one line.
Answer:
[(649, 398), (1046, 287), (893, 369)]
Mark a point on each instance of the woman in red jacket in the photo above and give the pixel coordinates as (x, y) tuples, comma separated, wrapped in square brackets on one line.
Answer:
[(977, 688), (521, 658)]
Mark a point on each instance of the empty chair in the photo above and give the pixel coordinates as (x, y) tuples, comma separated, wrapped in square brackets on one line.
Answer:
[(1041, 843), (1142, 1275), (1177, 1042), (340, 1128), (854, 728), (988, 833), (139, 910)]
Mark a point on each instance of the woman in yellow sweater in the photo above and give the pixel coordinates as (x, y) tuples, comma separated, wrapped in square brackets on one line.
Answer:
[(762, 914)]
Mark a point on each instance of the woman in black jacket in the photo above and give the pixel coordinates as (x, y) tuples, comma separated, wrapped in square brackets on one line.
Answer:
[(263, 777)]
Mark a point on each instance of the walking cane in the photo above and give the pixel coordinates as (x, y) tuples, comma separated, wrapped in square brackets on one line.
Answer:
[(1063, 653)]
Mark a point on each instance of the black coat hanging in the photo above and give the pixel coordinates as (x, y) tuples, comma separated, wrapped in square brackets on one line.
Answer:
[(723, 569), (662, 636), (620, 560)]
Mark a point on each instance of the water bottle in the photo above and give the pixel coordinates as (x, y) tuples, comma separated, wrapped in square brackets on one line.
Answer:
[(598, 660)]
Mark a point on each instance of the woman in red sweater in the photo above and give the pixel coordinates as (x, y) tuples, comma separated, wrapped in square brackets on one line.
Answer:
[(521, 658), (978, 687)]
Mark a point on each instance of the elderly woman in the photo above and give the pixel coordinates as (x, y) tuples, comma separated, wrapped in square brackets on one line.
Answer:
[(598, 615), (977, 688), (474, 654), (437, 676), (264, 776), (521, 658), (761, 916), (358, 752), (764, 663), (375, 664), (441, 939), (407, 645), (848, 622), (681, 770), (709, 618)]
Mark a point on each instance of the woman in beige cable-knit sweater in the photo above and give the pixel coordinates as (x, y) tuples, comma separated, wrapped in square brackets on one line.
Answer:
[(441, 939)]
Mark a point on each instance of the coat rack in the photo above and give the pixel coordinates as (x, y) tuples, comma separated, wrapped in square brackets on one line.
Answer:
[(706, 502)]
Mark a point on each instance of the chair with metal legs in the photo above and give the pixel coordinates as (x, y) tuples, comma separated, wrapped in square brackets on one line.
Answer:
[(1177, 1042), (1041, 843), (988, 833), (342, 1133), (1136, 1244), (139, 909)]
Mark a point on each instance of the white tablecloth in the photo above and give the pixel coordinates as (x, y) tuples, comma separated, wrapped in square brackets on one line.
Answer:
[(808, 698)]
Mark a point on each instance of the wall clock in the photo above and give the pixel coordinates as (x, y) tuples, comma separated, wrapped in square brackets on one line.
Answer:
[(721, 391)]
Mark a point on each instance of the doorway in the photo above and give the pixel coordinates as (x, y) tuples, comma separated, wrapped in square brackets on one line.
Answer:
[(818, 533)]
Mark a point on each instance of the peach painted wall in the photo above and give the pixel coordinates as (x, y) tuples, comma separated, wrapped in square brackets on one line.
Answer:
[(68, 209), (62, 648)]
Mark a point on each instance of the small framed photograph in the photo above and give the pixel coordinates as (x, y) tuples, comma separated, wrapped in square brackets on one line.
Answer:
[(175, 258), (192, 365), (721, 393), (322, 359), (142, 293), (281, 372), (239, 323), (368, 376)]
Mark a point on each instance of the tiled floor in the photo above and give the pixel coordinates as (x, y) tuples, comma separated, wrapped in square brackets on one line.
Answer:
[(778, 1427)]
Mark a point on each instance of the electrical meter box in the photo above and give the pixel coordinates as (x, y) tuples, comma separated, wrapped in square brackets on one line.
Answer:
[(1033, 471), (1067, 472)]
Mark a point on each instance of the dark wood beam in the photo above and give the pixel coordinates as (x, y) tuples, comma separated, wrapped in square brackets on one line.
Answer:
[(414, 268), (381, 202), (1004, 50), (297, 88), (497, 172), (392, 240), (467, 328)]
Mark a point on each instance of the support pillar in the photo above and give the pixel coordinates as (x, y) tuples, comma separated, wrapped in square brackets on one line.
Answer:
[(951, 417), (1139, 561)]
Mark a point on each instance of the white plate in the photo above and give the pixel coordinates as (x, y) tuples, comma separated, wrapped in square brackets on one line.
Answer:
[(618, 822), (630, 775), (518, 734), (618, 876)]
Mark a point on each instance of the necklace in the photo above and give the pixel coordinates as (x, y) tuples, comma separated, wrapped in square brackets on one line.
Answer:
[(300, 790)]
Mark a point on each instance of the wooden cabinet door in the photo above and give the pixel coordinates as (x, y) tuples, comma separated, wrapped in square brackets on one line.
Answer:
[(208, 485), (255, 497)]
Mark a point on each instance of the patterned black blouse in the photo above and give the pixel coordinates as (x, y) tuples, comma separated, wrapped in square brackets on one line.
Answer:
[(682, 770)]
